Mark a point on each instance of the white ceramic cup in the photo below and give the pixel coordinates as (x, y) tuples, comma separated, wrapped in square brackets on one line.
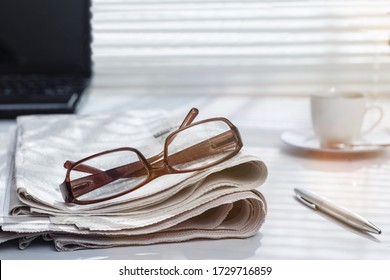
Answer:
[(338, 117)]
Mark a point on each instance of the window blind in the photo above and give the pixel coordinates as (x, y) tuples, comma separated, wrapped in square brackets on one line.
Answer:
[(240, 47)]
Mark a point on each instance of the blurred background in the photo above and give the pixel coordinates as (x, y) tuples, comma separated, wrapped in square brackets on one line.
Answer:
[(263, 47)]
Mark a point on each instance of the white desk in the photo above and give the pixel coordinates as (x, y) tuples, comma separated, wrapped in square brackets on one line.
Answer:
[(291, 230)]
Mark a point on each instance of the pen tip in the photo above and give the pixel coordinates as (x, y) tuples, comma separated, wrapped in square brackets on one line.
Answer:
[(372, 228)]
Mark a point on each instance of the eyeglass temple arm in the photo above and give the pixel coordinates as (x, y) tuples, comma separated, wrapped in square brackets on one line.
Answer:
[(89, 183), (190, 117), (98, 179)]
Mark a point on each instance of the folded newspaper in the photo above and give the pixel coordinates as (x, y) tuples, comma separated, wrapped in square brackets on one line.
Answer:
[(222, 201)]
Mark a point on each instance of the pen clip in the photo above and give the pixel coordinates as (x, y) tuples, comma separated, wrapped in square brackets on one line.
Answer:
[(306, 202)]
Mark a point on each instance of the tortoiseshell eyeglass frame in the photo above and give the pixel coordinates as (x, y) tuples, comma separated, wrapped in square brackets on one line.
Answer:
[(156, 166)]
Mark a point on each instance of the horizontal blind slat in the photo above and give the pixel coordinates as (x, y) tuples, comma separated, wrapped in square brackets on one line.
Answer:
[(205, 45)]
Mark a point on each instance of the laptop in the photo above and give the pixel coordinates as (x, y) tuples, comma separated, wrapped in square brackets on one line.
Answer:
[(45, 56)]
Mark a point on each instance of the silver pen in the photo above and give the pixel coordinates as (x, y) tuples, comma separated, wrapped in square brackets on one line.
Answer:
[(344, 215)]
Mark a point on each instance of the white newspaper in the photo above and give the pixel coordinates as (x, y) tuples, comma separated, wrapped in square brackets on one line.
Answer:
[(220, 202)]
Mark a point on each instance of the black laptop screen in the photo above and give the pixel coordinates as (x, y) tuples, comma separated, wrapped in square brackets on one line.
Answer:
[(45, 36)]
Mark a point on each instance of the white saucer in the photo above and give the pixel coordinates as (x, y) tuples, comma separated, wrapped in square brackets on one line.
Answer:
[(309, 142)]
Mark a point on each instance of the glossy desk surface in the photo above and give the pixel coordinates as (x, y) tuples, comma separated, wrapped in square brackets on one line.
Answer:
[(360, 182)]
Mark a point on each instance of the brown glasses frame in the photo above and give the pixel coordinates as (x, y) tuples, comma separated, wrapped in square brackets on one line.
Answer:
[(155, 166)]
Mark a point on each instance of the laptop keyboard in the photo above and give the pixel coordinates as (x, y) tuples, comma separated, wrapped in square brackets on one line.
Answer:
[(38, 90), (39, 95)]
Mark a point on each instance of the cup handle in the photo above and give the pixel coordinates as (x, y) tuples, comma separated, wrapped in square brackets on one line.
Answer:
[(380, 110)]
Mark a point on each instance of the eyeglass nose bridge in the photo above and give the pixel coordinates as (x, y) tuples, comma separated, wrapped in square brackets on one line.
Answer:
[(159, 169)]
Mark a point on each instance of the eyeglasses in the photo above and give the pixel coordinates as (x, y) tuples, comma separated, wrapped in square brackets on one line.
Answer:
[(110, 174)]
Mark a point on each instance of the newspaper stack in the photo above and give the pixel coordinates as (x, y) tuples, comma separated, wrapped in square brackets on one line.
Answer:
[(219, 202)]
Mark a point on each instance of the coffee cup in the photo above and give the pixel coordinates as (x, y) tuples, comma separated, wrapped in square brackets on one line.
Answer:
[(340, 117)]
